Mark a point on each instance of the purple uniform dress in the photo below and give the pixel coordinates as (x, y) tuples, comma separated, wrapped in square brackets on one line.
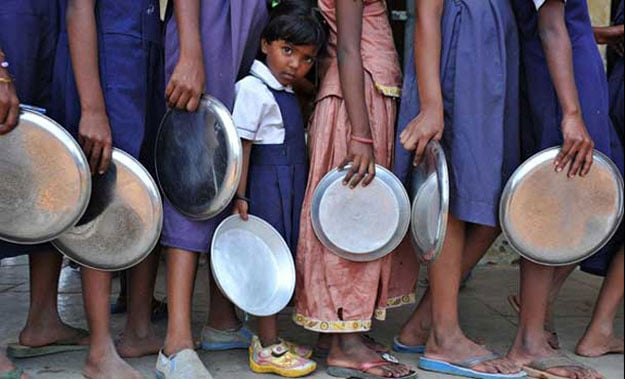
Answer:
[(479, 82), (278, 172), (230, 31), (28, 35), (541, 126)]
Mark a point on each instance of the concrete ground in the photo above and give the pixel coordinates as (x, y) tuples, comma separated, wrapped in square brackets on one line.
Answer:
[(485, 315)]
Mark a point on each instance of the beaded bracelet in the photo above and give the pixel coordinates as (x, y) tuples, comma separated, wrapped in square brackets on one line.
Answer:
[(362, 139), (6, 80)]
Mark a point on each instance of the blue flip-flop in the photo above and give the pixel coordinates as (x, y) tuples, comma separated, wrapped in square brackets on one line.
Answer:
[(401, 348), (464, 368)]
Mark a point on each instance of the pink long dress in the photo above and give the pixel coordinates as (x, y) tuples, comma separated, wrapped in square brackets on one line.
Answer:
[(335, 295)]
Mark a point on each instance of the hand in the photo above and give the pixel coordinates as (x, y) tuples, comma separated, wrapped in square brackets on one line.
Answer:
[(611, 36), (9, 104), (241, 208), (94, 135), (426, 126), (362, 164), (186, 84), (577, 147)]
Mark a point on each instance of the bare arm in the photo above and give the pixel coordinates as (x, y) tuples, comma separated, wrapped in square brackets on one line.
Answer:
[(427, 57), (578, 146), (611, 36), (94, 131), (9, 103), (241, 206), (351, 74), (186, 84)]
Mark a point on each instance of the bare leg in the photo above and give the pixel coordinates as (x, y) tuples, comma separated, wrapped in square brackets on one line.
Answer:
[(349, 350), (221, 314), (478, 239), (531, 343), (599, 338), (44, 325), (139, 338), (6, 365), (103, 360), (181, 267), (268, 330)]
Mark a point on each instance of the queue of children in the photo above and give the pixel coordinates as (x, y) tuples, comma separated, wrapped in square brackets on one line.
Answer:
[(536, 80)]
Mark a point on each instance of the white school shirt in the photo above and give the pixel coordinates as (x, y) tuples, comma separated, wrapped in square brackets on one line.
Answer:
[(256, 113), (540, 3)]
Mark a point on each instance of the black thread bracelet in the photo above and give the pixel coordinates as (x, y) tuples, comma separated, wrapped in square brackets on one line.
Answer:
[(241, 197)]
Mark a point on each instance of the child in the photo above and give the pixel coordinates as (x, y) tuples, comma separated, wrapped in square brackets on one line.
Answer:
[(208, 42), (567, 99), (353, 121), (269, 121), (116, 55), (460, 88)]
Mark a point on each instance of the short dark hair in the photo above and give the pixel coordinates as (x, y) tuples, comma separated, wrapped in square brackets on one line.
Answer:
[(298, 23)]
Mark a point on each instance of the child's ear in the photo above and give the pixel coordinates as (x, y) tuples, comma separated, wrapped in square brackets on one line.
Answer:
[(264, 45)]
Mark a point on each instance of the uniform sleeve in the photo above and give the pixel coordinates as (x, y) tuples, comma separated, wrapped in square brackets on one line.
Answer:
[(248, 108), (540, 3)]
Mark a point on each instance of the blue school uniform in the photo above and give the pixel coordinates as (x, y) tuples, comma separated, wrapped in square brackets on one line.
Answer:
[(479, 82), (278, 173), (28, 35), (131, 61), (541, 126), (615, 85)]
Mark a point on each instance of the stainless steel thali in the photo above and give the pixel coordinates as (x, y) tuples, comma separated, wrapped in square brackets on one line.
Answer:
[(555, 220), (252, 265), (364, 223), (45, 182), (123, 221), (430, 203), (198, 159)]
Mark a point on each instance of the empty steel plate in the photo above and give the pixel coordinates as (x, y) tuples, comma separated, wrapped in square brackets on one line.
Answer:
[(252, 265), (364, 223), (45, 183), (555, 220), (123, 221), (198, 159), (430, 203)]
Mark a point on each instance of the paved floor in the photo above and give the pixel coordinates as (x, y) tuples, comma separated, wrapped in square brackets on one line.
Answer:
[(485, 315)]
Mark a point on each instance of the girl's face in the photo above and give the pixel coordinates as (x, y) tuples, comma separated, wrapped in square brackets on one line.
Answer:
[(288, 62)]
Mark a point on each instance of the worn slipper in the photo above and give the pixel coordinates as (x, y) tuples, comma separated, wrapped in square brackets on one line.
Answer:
[(16, 373), (401, 348), (16, 350), (360, 371), (464, 368), (538, 368)]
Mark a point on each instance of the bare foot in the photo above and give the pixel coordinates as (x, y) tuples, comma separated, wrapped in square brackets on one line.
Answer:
[(7, 366), (349, 351), (524, 357), (41, 335), (550, 329), (109, 366), (456, 348), (324, 342), (415, 335), (595, 345), (131, 345)]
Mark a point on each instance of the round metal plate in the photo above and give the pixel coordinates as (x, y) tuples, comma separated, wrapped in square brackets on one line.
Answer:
[(364, 223), (45, 183), (555, 220), (198, 159), (123, 221), (430, 203), (252, 265)]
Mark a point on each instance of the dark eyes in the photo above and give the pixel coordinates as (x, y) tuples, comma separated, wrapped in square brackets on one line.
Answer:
[(287, 50)]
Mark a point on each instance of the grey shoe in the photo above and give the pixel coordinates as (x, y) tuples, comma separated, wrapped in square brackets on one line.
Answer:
[(185, 364), (216, 340)]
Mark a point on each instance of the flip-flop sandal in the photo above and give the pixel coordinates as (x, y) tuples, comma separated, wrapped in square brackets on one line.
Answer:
[(16, 350), (16, 373), (360, 371), (320, 353), (464, 368), (538, 368), (401, 348)]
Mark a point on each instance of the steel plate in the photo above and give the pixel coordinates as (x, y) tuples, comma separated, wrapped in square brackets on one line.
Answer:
[(555, 220), (252, 265), (430, 203), (364, 223), (198, 159), (123, 221), (45, 183)]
